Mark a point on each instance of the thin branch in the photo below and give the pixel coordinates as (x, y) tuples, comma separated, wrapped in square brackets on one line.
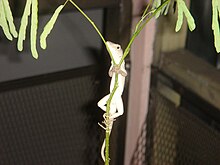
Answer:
[(139, 28), (95, 27)]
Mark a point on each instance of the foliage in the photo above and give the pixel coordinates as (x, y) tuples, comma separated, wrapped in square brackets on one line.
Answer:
[(182, 9), (31, 8), (6, 20)]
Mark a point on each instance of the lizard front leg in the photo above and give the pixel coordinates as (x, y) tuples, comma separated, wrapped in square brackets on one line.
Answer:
[(117, 69)]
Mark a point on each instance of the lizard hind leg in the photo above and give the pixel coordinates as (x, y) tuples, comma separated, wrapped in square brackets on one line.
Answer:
[(119, 107), (102, 102)]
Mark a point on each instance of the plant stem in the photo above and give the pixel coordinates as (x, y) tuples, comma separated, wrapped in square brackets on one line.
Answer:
[(138, 29), (140, 26), (93, 24), (108, 129)]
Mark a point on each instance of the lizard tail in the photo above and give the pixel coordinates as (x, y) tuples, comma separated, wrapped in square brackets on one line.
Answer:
[(103, 151), (103, 146)]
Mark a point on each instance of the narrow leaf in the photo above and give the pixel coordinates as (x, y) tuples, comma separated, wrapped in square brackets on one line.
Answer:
[(9, 18), (189, 18), (215, 24), (3, 22), (23, 26), (182, 9), (49, 26), (34, 25), (164, 10), (217, 37), (156, 4), (179, 17), (167, 8)]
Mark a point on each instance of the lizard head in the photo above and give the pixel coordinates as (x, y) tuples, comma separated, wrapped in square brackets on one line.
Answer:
[(116, 51)]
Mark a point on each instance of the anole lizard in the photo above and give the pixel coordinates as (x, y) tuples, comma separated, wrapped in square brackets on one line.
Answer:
[(116, 106)]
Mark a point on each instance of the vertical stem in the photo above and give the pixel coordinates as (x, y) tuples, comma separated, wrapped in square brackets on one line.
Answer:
[(108, 129), (107, 141), (140, 26)]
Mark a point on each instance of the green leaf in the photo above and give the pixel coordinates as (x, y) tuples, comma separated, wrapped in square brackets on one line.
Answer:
[(215, 23), (34, 26), (182, 9), (164, 10), (23, 26), (156, 4), (49, 26), (179, 22), (189, 18), (3, 22), (167, 8), (9, 18)]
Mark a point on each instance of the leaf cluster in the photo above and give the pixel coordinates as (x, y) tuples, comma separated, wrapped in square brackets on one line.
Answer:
[(6, 20), (159, 7)]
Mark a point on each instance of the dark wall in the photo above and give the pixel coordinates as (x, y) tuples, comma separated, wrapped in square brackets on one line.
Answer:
[(201, 41), (71, 44)]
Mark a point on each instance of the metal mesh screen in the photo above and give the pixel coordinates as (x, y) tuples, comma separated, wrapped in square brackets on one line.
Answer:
[(50, 124), (174, 136)]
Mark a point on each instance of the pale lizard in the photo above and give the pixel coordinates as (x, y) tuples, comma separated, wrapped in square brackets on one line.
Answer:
[(116, 106)]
